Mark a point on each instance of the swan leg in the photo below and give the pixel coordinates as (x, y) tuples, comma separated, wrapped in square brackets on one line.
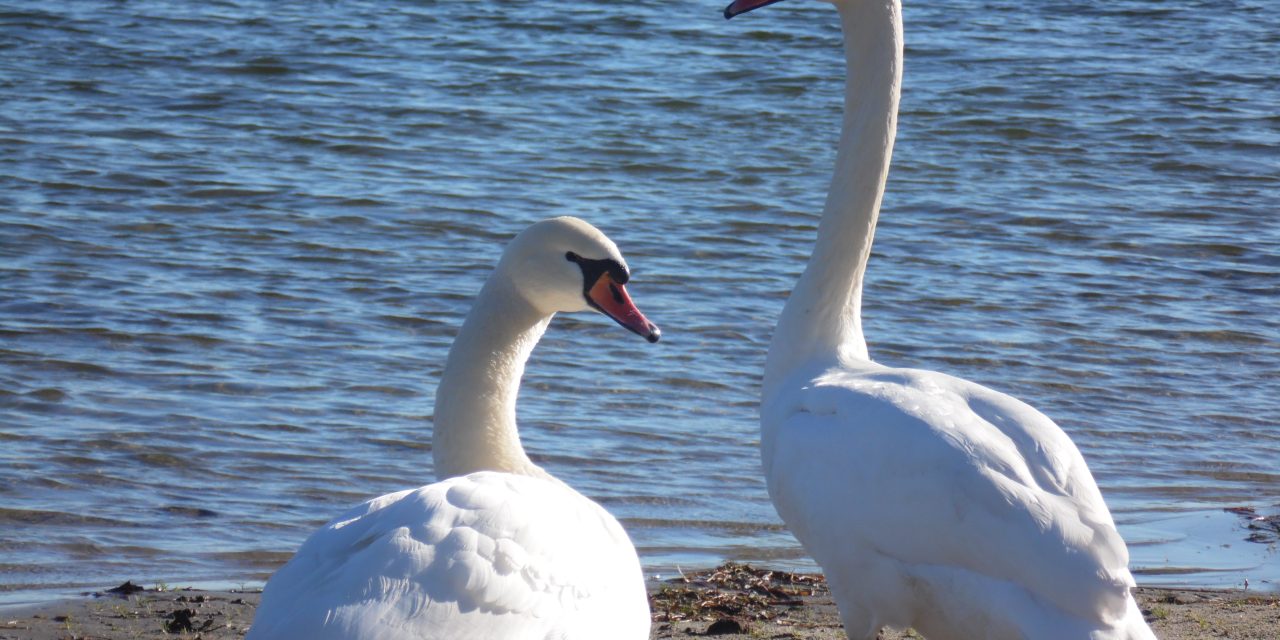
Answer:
[(859, 622)]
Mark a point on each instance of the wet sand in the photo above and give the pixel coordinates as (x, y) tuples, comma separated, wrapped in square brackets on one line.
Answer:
[(731, 602)]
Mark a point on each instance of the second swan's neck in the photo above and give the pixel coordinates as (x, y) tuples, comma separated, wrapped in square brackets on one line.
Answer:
[(475, 410), (822, 318)]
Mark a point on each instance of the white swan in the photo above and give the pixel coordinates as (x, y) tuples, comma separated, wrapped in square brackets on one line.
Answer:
[(929, 501), (507, 551)]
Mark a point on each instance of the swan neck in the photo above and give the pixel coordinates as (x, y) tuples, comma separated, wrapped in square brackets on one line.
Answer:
[(475, 410), (822, 318)]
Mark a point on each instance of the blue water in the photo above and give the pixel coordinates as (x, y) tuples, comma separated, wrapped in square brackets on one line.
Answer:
[(237, 237)]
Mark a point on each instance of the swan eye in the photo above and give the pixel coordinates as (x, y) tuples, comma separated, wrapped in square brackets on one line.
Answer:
[(593, 269)]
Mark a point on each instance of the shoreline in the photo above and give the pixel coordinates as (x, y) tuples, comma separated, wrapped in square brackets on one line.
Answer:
[(733, 602)]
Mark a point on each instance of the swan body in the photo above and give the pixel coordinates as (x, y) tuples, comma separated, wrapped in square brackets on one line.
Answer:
[(936, 503), (498, 549), (929, 501), (485, 555)]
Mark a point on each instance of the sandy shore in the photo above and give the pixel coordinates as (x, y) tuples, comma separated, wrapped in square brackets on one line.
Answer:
[(731, 602)]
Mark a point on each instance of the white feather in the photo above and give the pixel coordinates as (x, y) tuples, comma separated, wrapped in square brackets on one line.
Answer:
[(936, 503), (487, 555)]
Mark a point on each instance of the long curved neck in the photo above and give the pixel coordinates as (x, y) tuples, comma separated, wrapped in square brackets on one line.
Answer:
[(822, 318), (475, 411)]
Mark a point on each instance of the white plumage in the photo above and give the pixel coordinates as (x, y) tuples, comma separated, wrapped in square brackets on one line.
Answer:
[(929, 501), (498, 549), (936, 503), (487, 555)]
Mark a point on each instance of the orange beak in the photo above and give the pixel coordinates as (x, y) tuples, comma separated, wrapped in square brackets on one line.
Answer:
[(611, 299)]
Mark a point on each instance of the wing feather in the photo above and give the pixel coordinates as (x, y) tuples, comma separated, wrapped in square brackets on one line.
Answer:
[(488, 555), (931, 470)]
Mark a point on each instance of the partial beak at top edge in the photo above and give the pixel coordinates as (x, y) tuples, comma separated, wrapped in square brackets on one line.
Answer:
[(739, 7)]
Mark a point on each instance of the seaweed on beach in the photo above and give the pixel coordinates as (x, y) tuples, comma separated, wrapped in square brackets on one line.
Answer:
[(1262, 529), (734, 591)]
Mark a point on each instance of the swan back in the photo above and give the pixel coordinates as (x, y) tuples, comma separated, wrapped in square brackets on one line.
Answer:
[(487, 555)]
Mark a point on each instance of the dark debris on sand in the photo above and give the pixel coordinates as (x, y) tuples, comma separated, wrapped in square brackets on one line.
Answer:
[(1262, 529), (126, 589), (740, 602), (137, 613), (731, 602), (732, 596)]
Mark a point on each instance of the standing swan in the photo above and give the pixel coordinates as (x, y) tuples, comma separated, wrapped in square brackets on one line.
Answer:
[(498, 548), (930, 501)]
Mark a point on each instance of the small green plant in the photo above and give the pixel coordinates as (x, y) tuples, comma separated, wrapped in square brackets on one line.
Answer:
[(1204, 624), (68, 624)]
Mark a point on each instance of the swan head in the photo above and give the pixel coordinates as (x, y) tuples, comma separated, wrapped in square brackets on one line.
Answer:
[(566, 265)]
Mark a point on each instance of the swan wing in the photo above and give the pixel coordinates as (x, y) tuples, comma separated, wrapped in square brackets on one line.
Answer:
[(487, 555), (929, 470)]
